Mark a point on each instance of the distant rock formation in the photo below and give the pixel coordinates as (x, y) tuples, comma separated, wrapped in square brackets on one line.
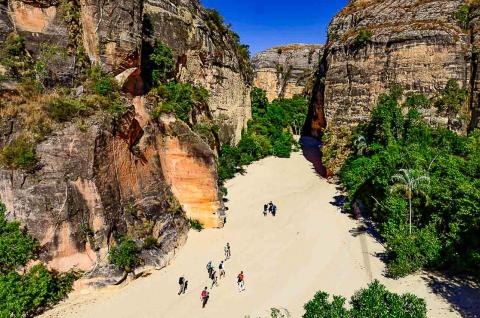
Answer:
[(373, 44), (285, 71)]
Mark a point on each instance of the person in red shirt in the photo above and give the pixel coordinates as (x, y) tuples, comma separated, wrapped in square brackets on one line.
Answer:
[(204, 297), (241, 281)]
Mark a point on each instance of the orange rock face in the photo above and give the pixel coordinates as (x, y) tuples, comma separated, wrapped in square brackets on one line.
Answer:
[(32, 19), (193, 183)]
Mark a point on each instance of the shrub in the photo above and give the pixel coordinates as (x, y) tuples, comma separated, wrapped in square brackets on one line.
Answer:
[(13, 56), (462, 15), (180, 99), (451, 100), (149, 243), (409, 253), (162, 61), (19, 154), (102, 83), (363, 37), (195, 224), (30, 294), (64, 109), (416, 100), (372, 302), (124, 255), (16, 247)]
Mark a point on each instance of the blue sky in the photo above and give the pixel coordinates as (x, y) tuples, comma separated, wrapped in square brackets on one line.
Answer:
[(266, 23)]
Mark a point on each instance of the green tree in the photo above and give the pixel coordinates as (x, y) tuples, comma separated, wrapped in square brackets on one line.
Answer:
[(372, 302), (16, 247), (363, 37), (125, 255), (162, 61), (180, 99), (409, 183), (451, 100)]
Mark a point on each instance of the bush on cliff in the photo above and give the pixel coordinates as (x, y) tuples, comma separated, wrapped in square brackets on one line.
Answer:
[(180, 99), (270, 132), (162, 63), (125, 255), (25, 295), (445, 214), (19, 154), (363, 37), (372, 302)]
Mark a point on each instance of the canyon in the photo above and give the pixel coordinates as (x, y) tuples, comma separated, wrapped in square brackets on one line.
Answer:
[(145, 177)]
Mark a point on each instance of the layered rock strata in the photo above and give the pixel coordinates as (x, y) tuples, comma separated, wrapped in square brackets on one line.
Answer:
[(106, 177), (288, 70), (374, 44)]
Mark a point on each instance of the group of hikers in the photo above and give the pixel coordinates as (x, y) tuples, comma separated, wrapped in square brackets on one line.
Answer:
[(269, 208), (213, 276)]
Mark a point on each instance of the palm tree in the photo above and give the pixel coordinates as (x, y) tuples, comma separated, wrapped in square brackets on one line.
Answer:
[(409, 183), (360, 144)]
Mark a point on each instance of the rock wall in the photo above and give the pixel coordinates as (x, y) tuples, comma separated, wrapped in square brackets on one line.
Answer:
[(132, 175), (285, 71), (206, 58), (417, 44)]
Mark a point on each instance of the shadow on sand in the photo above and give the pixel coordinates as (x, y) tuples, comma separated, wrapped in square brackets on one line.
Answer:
[(311, 152), (462, 294)]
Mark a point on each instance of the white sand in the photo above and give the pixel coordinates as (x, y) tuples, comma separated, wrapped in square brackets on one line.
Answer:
[(307, 247)]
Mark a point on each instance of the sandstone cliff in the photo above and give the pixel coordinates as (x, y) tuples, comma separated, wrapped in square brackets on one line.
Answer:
[(105, 176), (285, 71), (373, 44)]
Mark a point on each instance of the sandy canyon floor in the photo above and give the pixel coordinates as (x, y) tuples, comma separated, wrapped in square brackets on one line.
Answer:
[(309, 246)]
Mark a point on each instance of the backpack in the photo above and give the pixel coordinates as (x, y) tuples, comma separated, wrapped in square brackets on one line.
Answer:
[(204, 293), (181, 280)]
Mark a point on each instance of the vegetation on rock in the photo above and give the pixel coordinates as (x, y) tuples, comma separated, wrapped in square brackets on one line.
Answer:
[(125, 255), (162, 62), (363, 37), (27, 294), (445, 214), (372, 302), (216, 23), (195, 224), (180, 99)]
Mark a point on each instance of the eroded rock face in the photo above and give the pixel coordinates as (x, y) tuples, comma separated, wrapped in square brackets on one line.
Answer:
[(285, 71), (205, 58), (93, 184), (112, 32), (417, 44), (132, 175)]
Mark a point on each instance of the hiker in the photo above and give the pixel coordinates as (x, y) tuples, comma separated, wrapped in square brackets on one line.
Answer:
[(274, 210), (204, 297), (214, 278), (228, 252), (183, 285), (209, 269), (221, 269), (270, 206), (265, 209), (241, 282)]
